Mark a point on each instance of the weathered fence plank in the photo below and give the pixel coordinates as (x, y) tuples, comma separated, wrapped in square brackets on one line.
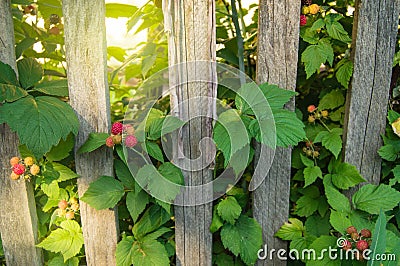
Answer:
[(18, 218), (278, 38), (192, 37), (374, 38), (85, 45)]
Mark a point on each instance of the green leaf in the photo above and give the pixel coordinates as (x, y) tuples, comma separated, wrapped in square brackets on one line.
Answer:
[(103, 193), (378, 239), (230, 134), (49, 7), (372, 198), (336, 200), (148, 63), (317, 225), (388, 152), (68, 240), (170, 124), (306, 161), (156, 234), (291, 230), (344, 72), (331, 100), (7, 75), (95, 141), (306, 205), (289, 129), (116, 52), (340, 221), (345, 176), (216, 222), (65, 172), (171, 172), (315, 55), (161, 126), (24, 44), (59, 261), (30, 72), (311, 174), (336, 30), (136, 203), (11, 93), (276, 96), (115, 10), (229, 209), (154, 151), (392, 116), (223, 259), (53, 87), (319, 244), (145, 253), (152, 219), (40, 122), (244, 238), (318, 24), (309, 35), (396, 173), (331, 140), (62, 149), (124, 174), (52, 190)]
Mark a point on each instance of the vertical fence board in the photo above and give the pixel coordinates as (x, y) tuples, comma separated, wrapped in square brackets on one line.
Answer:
[(192, 37), (88, 89), (374, 38), (278, 37), (18, 218)]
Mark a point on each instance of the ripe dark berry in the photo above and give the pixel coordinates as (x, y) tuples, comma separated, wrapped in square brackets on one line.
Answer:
[(362, 245), (54, 19), (117, 128), (351, 229), (307, 2)]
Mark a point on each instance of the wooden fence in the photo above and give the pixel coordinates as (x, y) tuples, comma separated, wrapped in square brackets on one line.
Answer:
[(192, 37)]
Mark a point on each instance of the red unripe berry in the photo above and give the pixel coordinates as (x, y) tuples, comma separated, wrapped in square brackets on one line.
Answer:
[(362, 245), (365, 233), (116, 128), (70, 215), (62, 204), (110, 142), (347, 245), (303, 20), (19, 169), (311, 108), (130, 141), (351, 229)]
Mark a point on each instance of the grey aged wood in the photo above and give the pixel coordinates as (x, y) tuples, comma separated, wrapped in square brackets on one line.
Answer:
[(18, 218), (191, 28), (278, 37), (374, 38), (85, 45)]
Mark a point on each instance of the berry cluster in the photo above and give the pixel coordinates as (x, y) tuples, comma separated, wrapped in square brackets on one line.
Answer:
[(359, 240), (308, 8), (315, 114), (67, 209), (29, 10), (23, 168), (53, 24), (311, 150), (117, 130)]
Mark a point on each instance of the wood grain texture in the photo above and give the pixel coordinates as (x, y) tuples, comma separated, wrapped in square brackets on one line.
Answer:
[(89, 96), (191, 38), (18, 218), (374, 38), (278, 37)]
